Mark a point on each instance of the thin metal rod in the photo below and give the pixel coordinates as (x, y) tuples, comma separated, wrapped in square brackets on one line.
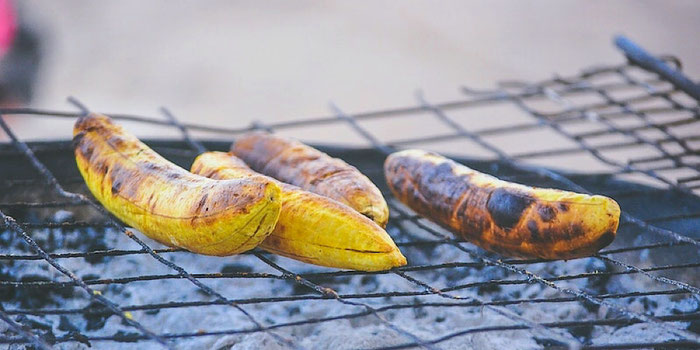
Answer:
[(316, 297), (26, 334), (637, 55), (561, 324)]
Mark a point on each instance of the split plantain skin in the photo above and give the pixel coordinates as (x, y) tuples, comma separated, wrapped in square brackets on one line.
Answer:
[(500, 216), (313, 228), (295, 163), (168, 203)]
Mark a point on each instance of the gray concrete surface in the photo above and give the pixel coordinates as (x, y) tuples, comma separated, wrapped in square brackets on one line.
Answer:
[(230, 62)]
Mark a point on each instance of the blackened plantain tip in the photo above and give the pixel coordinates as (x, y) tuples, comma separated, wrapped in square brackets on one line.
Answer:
[(77, 138)]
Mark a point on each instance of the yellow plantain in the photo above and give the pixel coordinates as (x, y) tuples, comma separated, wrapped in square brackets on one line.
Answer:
[(295, 163), (312, 228), (168, 203), (500, 216)]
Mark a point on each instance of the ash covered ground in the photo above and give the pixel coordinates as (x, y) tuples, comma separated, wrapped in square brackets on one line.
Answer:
[(368, 331)]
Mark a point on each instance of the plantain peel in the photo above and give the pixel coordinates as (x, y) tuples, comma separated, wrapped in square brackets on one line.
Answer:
[(500, 216), (168, 203), (295, 163), (313, 228)]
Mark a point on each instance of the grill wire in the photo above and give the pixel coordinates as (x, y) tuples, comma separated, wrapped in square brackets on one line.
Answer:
[(604, 82)]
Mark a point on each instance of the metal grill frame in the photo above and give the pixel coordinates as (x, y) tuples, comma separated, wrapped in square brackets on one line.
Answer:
[(516, 93)]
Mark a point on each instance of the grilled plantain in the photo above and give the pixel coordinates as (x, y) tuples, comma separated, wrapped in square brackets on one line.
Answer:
[(500, 216), (298, 164), (168, 203), (312, 228)]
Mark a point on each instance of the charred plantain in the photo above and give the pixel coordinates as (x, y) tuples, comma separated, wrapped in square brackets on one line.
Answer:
[(304, 166), (500, 216), (168, 203), (313, 228)]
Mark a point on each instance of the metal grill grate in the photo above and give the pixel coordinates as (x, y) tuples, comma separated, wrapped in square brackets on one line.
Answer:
[(650, 113)]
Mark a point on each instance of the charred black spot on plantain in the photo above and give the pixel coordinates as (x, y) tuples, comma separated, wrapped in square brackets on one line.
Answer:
[(396, 181), (202, 202), (259, 225), (534, 231), (546, 212), (116, 185), (100, 166), (395, 165), (439, 184), (86, 149), (116, 141), (173, 175), (437, 175), (83, 145), (77, 139), (564, 207), (576, 231), (506, 207), (157, 168)]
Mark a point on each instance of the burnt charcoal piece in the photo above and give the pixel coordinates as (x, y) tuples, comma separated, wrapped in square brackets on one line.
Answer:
[(32, 298), (591, 307), (686, 306), (9, 239), (294, 310), (298, 289), (7, 273), (79, 337), (548, 343), (598, 284), (369, 283), (583, 333), (86, 239), (96, 321), (97, 244), (454, 275), (43, 328), (694, 327), (648, 303), (491, 273), (33, 323), (488, 288), (66, 325)]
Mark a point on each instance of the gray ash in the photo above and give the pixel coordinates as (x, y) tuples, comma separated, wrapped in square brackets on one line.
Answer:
[(153, 291), (365, 331)]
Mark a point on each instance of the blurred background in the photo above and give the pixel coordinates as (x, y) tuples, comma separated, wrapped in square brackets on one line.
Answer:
[(228, 63)]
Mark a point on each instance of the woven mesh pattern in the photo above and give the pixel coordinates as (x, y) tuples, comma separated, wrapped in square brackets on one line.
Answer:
[(619, 131)]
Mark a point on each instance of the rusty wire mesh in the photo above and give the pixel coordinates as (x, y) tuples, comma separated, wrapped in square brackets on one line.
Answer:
[(647, 116)]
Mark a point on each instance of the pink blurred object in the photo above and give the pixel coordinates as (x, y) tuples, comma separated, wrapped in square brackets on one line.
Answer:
[(8, 25)]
